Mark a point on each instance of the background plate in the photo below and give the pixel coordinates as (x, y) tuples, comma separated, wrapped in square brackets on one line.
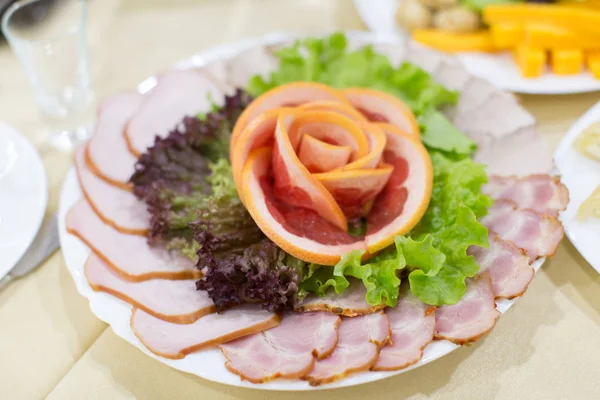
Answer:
[(581, 175), (499, 69), (23, 196), (208, 364)]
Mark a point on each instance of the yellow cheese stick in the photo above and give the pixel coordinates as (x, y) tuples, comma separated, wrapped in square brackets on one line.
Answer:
[(455, 42), (576, 19), (553, 37), (531, 61), (507, 35), (567, 61), (593, 63)]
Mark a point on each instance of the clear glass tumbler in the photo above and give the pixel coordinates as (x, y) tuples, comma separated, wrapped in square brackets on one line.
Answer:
[(49, 38)]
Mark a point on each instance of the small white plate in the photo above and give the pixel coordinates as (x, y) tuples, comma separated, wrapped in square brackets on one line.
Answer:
[(209, 364), (23, 196), (499, 69), (581, 175)]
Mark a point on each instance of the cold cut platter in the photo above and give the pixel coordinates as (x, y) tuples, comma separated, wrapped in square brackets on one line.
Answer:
[(300, 213)]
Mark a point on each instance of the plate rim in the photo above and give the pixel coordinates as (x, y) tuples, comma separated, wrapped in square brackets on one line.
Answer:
[(40, 172), (365, 7), (94, 298)]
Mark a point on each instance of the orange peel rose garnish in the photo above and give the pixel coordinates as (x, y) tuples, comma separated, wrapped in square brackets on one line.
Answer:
[(308, 158)]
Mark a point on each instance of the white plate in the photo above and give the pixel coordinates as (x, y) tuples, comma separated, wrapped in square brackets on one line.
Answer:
[(23, 196), (581, 175), (208, 364), (499, 69)]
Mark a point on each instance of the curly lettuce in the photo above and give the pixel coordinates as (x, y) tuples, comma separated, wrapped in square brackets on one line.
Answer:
[(185, 178)]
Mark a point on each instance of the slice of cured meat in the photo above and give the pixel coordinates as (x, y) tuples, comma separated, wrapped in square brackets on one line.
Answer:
[(287, 351), (107, 154), (537, 234), (128, 255), (349, 304), (174, 301), (171, 340), (116, 207), (542, 193), (413, 325), (472, 317), (359, 341), (506, 264), (177, 94)]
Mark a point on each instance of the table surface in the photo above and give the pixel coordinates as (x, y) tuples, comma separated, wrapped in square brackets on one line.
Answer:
[(51, 346)]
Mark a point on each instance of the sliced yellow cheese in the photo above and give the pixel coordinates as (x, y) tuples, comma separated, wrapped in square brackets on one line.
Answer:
[(554, 37), (507, 35), (593, 63), (567, 61), (590, 208), (531, 61), (592, 4), (455, 42), (576, 19)]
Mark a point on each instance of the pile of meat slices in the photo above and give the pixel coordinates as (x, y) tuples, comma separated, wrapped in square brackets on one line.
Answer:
[(327, 337)]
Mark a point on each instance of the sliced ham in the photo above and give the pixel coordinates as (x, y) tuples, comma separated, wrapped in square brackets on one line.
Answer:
[(116, 207), (128, 255), (350, 303), (107, 154), (176, 95), (359, 342), (287, 351), (413, 324), (171, 340), (538, 234), (507, 265), (472, 317), (173, 301), (542, 193)]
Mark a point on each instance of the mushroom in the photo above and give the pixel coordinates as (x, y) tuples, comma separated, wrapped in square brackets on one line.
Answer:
[(412, 14), (457, 19)]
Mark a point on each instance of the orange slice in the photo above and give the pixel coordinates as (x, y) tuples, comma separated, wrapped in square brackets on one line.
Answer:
[(354, 189), (291, 94), (382, 107), (308, 158), (308, 238), (319, 156), (405, 198), (340, 108), (295, 183), (377, 141)]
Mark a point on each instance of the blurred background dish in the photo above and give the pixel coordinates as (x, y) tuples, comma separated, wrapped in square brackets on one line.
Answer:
[(580, 172), (23, 195), (492, 40)]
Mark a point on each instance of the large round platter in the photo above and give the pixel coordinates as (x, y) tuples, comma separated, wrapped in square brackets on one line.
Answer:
[(209, 364), (581, 175), (499, 69)]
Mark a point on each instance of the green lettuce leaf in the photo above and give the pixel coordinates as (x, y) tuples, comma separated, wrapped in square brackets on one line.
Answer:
[(438, 133), (434, 255)]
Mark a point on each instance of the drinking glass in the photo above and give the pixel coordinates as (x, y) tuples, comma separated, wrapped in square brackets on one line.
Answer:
[(49, 39)]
